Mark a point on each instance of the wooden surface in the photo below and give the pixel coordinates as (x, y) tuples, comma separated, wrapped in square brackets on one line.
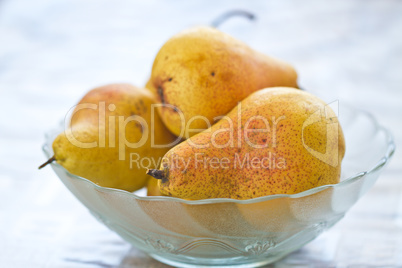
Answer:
[(52, 52)]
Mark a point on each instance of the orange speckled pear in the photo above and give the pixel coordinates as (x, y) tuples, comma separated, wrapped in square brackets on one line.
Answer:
[(276, 141), (103, 163), (203, 71)]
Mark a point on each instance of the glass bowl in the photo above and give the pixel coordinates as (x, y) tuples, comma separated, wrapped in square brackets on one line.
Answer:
[(228, 232)]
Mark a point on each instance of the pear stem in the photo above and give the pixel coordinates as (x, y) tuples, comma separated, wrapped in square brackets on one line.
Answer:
[(51, 159), (222, 18), (157, 174)]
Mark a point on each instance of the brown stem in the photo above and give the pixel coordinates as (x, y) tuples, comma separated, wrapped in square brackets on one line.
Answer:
[(157, 174), (51, 159), (222, 18)]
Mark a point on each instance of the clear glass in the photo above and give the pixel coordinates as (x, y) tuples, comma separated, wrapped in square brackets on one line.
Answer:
[(243, 233)]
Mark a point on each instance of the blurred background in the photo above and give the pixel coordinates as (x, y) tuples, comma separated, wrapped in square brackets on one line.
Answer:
[(52, 52)]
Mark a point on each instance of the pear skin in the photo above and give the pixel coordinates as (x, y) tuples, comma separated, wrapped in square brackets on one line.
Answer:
[(109, 137), (153, 188), (276, 141), (205, 72)]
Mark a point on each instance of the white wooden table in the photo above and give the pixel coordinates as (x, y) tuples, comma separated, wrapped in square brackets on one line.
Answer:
[(51, 52)]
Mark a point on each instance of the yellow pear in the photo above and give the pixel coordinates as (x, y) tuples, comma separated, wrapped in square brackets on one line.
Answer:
[(109, 139), (276, 141), (205, 72), (153, 188)]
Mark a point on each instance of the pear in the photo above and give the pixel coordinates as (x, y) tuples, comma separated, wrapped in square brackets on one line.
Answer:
[(276, 141), (109, 138), (205, 72), (153, 188)]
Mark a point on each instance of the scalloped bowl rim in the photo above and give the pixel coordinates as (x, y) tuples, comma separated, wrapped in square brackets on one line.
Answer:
[(390, 151)]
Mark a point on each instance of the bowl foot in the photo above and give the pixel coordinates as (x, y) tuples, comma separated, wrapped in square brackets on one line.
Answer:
[(235, 262)]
